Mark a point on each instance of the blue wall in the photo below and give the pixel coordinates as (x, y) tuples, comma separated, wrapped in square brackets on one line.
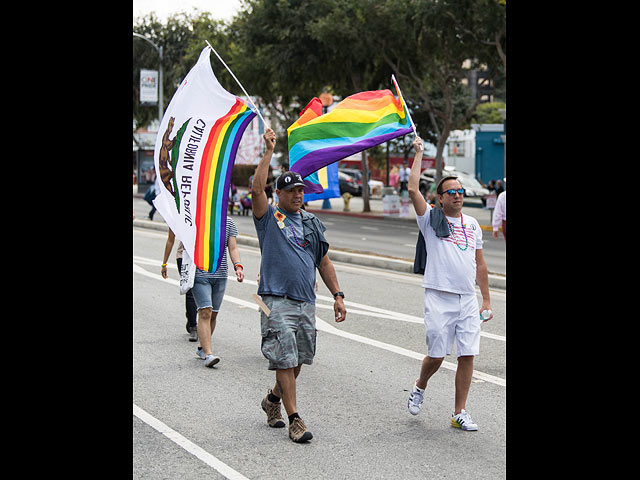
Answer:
[(489, 156)]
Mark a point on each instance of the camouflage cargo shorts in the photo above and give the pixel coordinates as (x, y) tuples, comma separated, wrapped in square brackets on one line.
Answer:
[(288, 333)]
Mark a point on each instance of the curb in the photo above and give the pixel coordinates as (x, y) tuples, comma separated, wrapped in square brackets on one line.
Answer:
[(496, 280), (375, 215)]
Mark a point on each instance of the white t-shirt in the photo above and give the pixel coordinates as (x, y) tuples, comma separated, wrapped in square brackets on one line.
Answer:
[(500, 211), (450, 266)]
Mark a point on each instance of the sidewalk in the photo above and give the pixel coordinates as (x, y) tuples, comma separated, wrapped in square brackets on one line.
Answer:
[(472, 207)]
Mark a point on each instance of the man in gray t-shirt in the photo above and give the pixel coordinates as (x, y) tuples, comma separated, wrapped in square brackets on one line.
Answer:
[(279, 256), (292, 246)]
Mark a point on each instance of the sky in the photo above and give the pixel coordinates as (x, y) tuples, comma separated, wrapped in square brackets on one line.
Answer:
[(220, 9)]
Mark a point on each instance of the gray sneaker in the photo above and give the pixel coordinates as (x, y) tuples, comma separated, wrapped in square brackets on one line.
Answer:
[(193, 335), (211, 360)]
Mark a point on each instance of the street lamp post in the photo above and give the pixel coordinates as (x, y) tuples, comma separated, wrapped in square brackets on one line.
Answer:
[(160, 75)]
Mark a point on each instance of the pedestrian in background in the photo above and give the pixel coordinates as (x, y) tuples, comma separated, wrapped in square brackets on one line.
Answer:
[(208, 292), (149, 195), (268, 188), (403, 176), (500, 216), (191, 311), (292, 246), (454, 265), (393, 177)]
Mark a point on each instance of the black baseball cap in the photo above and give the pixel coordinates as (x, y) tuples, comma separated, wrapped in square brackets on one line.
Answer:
[(289, 180)]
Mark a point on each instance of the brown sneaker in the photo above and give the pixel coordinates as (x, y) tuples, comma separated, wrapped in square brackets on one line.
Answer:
[(272, 409), (298, 431)]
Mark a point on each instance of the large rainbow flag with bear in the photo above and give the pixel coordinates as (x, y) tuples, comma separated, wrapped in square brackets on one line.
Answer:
[(194, 156)]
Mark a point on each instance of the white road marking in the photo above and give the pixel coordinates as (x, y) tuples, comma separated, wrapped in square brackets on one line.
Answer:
[(326, 327), (360, 309), (189, 446)]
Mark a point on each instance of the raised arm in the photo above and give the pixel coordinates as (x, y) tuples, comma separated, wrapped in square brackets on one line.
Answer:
[(259, 201), (419, 203)]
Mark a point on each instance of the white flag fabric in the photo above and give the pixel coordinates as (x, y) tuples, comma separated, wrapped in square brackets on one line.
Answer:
[(194, 155)]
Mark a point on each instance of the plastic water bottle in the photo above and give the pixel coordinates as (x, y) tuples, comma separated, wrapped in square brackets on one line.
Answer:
[(485, 314)]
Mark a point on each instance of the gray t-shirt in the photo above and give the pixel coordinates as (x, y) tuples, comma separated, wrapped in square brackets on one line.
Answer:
[(287, 267)]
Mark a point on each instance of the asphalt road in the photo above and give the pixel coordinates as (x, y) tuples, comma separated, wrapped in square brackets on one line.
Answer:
[(191, 422), (390, 237)]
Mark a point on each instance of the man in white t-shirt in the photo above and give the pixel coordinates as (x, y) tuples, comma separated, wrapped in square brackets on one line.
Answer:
[(454, 265)]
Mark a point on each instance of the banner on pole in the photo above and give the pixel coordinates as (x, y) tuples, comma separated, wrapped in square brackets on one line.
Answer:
[(148, 87)]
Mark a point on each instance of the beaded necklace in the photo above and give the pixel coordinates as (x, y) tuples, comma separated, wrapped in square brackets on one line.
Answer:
[(466, 240), (284, 221)]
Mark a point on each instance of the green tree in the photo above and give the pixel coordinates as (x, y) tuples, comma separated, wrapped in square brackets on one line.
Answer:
[(277, 58), (182, 38), (488, 113), (431, 45)]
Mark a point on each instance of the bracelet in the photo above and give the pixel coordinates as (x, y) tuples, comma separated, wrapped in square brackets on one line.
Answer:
[(163, 265), (236, 265)]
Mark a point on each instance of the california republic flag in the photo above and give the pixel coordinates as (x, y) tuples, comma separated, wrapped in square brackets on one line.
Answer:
[(194, 155)]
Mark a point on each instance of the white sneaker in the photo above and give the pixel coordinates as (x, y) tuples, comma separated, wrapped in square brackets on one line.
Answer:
[(416, 397), (463, 420)]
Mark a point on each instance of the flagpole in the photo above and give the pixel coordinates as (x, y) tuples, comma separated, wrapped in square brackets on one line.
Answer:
[(393, 79), (234, 77)]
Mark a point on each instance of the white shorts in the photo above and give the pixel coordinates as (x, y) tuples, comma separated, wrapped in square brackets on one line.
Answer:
[(449, 316)]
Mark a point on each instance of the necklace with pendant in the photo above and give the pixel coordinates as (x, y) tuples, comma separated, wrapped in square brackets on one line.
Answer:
[(284, 221), (466, 240)]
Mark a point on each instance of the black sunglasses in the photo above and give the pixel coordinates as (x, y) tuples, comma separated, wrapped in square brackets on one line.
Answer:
[(452, 192)]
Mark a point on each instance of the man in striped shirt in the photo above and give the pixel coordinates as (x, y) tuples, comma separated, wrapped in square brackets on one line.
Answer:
[(208, 291)]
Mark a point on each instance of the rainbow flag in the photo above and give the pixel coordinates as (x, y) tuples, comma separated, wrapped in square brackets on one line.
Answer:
[(323, 183), (214, 181), (194, 156), (359, 122)]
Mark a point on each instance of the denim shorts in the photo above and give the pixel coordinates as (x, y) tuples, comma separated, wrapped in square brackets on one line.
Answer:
[(288, 333), (208, 292)]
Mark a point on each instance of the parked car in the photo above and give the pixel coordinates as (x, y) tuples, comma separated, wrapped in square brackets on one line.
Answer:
[(375, 186), (472, 187), (349, 184), (353, 173)]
